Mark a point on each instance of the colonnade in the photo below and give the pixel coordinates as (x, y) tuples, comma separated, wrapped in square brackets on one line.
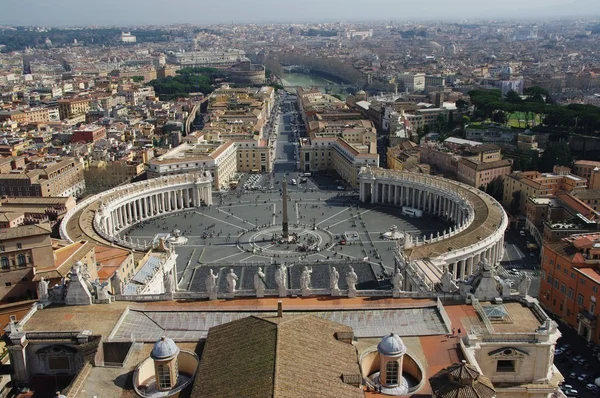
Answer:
[(448, 199), (422, 197), (140, 207), (124, 206)]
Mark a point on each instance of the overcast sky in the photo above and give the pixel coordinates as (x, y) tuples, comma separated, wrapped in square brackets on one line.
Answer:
[(132, 12)]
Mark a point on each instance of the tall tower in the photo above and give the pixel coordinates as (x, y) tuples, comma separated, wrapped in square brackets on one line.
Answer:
[(284, 224)]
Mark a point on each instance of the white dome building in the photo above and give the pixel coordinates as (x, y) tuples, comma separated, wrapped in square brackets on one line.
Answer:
[(167, 371), (391, 353)]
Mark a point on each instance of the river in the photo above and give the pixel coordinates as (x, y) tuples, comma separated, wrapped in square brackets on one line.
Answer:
[(309, 81)]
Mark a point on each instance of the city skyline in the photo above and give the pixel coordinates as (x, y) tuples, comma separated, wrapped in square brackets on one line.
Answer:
[(72, 12)]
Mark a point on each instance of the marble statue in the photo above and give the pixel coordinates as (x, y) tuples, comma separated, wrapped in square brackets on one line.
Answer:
[(281, 277), (524, 283), (117, 283), (168, 281), (398, 281), (231, 281), (351, 279), (305, 278), (447, 280), (260, 282), (211, 282), (43, 289), (334, 279)]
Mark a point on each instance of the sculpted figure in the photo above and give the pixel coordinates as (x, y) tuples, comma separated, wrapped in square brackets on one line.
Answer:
[(259, 280), (211, 282), (334, 279), (305, 278), (231, 281), (43, 289), (351, 279)]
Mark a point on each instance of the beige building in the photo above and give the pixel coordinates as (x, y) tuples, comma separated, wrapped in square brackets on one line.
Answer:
[(478, 174), (22, 250), (60, 178), (335, 154), (70, 108), (534, 184), (253, 156), (218, 158)]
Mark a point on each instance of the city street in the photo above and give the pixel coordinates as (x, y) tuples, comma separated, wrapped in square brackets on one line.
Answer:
[(567, 362)]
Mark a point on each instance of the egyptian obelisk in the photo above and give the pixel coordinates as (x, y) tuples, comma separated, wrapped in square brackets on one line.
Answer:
[(284, 223)]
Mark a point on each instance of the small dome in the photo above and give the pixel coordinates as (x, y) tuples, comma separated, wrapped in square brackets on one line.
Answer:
[(391, 345), (164, 348), (360, 92)]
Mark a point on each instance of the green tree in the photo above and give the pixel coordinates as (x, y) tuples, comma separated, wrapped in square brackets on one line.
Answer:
[(461, 105), (513, 97), (515, 203), (557, 153), (138, 79), (495, 188)]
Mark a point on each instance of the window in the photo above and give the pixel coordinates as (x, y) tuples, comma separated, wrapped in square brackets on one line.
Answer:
[(572, 275), (579, 299), (19, 246), (21, 260), (570, 293), (59, 363), (504, 365), (582, 281), (556, 283), (164, 376), (595, 289), (558, 267), (563, 288), (4, 262), (391, 373), (549, 280), (8, 284), (592, 307)]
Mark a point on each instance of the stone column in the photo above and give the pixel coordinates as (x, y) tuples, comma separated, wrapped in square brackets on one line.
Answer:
[(454, 270), (463, 264), (470, 266)]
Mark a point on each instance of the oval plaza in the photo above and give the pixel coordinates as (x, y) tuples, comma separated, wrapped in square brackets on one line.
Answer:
[(476, 222)]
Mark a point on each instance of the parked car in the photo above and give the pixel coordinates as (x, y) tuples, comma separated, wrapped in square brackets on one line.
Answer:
[(573, 375), (571, 393), (522, 233), (582, 377), (590, 386)]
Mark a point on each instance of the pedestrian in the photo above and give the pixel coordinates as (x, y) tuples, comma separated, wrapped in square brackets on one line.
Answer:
[(459, 331), (453, 331)]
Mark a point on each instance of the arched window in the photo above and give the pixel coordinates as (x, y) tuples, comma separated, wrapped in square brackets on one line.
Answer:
[(4, 262), (164, 376), (21, 260), (391, 373)]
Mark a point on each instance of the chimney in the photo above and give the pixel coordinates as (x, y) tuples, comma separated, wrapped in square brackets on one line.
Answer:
[(279, 309)]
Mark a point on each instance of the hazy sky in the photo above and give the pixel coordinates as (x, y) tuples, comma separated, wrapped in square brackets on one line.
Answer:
[(123, 12)]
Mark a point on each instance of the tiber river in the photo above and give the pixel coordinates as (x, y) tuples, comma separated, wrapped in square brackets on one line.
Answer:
[(308, 81)]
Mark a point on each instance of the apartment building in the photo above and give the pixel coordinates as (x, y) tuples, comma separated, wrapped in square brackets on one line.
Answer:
[(411, 82), (57, 178), (73, 108), (534, 184), (253, 156), (570, 281), (323, 154), (90, 134)]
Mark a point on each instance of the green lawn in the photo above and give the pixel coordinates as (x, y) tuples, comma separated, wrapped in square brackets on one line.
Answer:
[(519, 119)]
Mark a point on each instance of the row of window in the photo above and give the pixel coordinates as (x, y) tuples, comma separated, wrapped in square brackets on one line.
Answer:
[(5, 262)]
